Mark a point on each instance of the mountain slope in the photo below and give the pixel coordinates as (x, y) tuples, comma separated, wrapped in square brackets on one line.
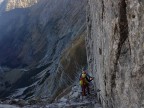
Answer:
[(34, 42)]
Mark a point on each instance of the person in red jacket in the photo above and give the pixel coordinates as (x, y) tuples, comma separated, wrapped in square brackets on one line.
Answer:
[(84, 82)]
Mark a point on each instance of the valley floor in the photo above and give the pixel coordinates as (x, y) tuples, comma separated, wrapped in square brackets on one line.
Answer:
[(71, 100)]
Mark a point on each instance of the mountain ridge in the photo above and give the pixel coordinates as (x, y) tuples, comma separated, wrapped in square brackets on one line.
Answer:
[(7, 5)]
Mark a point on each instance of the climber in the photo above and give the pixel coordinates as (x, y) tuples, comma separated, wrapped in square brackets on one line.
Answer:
[(85, 79)]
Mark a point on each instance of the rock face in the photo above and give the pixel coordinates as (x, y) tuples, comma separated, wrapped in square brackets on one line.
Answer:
[(42, 46), (115, 51), (7, 5)]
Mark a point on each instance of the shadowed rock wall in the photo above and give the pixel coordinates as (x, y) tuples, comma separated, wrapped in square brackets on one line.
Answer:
[(36, 43)]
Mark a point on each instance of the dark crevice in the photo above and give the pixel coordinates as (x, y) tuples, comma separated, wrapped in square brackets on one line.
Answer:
[(105, 83), (123, 25), (115, 29), (102, 9), (133, 16), (100, 51), (123, 29), (89, 22)]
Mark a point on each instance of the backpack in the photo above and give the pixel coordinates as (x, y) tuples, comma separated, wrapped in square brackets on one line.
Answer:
[(83, 81)]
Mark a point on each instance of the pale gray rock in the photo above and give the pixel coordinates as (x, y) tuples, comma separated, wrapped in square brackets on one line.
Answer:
[(63, 100), (7, 106), (7, 5), (115, 51)]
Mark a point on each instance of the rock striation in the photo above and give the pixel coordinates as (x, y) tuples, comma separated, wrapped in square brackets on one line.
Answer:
[(42, 47), (115, 51)]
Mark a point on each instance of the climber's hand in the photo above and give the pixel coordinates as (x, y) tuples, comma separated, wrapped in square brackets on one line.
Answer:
[(91, 78)]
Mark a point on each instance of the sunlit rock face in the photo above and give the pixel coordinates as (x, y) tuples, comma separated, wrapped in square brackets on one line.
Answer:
[(115, 51), (33, 41), (8, 5)]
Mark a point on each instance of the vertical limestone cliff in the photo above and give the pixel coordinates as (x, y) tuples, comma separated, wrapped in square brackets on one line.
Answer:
[(115, 49)]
